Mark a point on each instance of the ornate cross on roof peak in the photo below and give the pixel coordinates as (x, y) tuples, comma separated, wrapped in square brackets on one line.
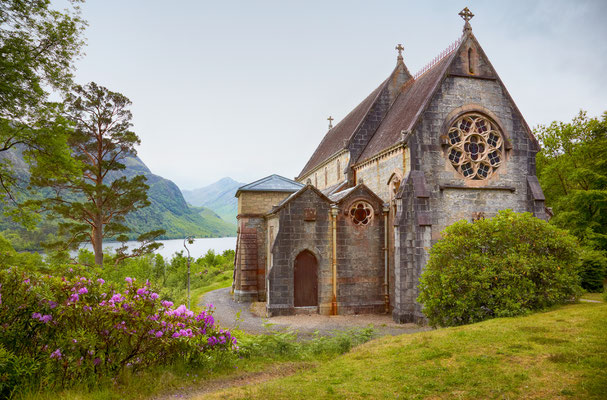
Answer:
[(330, 119), (466, 15), (400, 49)]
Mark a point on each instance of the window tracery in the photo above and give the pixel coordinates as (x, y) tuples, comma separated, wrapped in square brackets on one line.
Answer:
[(476, 146), (361, 213)]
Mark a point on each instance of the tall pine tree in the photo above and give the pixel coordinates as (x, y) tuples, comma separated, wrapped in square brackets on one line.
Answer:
[(94, 202)]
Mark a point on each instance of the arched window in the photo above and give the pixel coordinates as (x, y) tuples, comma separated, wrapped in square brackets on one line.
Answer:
[(470, 60), (326, 176), (476, 146), (338, 170), (315, 180)]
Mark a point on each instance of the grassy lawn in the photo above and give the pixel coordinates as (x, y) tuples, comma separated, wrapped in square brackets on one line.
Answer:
[(556, 354), (593, 296)]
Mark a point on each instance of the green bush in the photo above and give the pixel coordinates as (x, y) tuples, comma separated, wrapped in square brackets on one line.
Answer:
[(504, 266), (593, 270)]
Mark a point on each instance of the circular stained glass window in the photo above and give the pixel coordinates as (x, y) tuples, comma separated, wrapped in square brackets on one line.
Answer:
[(475, 146), (361, 213)]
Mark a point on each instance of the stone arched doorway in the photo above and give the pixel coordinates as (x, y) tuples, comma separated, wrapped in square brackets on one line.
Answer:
[(305, 274)]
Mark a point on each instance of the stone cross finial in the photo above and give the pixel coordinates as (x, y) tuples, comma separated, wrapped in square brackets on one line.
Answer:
[(400, 49), (330, 119), (466, 15)]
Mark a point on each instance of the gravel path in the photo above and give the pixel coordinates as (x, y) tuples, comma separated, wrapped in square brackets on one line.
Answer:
[(226, 311)]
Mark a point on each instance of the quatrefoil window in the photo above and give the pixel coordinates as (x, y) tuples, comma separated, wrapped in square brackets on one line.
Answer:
[(476, 146), (361, 213)]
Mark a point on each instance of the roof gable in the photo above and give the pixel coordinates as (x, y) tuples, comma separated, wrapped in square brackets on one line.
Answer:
[(416, 95), (295, 195), (272, 183), (358, 190)]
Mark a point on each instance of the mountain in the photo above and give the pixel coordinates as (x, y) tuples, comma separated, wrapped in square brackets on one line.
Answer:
[(218, 196), (168, 210)]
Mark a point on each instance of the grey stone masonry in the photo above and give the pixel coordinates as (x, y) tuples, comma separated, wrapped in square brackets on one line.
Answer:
[(296, 234), (360, 256), (435, 195)]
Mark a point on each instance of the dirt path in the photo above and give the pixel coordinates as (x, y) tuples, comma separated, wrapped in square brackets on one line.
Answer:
[(274, 371), (231, 314), (227, 310)]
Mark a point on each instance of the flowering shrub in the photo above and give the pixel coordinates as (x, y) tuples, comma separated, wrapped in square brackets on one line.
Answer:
[(504, 266), (65, 329)]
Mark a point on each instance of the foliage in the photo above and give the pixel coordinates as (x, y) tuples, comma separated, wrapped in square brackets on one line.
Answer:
[(167, 210), (73, 328), (572, 169), (498, 267), (38, 46), (93, 203), (171, 275), (287, 345), (593, 270)]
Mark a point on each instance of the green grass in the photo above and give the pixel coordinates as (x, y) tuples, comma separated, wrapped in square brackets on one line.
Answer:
[(593, 296), (556, 354)]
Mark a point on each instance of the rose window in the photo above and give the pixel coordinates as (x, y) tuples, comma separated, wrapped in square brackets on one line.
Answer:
[(361, 213), (475, 146)]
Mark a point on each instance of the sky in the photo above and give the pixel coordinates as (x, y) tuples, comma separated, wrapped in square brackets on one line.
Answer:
[(244, 88)]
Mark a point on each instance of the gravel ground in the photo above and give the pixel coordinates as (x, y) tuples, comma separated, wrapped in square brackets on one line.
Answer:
[(226, 311)]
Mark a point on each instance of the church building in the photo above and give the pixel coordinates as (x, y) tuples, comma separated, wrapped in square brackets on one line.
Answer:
[(351, 234)]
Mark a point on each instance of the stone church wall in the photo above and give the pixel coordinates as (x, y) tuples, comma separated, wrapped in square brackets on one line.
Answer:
[(294, 236), (259, 202), (375, 174), (317, 177), (449, 196), (360, 258), (249, 278)]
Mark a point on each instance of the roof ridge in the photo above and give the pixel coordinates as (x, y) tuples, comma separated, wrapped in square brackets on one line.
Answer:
[(448, 50)]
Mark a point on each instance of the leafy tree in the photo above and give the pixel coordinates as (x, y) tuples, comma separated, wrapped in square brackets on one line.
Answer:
[(38, 46), (95, 201), (572, 169), (504, 266)]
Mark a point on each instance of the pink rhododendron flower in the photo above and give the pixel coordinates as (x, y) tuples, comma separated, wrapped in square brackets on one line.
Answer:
[(129, 280), (36, 315), (100, 281), (74, 298), (83, 290), (167, 303), (56, 354), (154, 296), (46, 318), (159, 333)]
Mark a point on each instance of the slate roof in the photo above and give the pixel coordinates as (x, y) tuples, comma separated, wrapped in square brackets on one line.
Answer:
[(406, 109), (334, 139), (402, 115), (272, 183)]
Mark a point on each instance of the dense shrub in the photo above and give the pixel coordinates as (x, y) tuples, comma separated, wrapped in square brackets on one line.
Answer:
[(593, 270), (67, 329), (498, 267)]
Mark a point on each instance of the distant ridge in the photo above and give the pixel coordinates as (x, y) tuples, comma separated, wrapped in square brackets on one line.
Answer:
[(168, 210), (218, 196)]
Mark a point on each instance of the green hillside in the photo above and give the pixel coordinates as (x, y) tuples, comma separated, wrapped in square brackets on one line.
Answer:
[(218, 197), (168, 211)]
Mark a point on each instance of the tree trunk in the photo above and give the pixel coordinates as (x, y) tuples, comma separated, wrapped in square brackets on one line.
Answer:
[(98, 242)]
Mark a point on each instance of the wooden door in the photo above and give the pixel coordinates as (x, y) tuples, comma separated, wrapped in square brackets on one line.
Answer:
[(306, 280)]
